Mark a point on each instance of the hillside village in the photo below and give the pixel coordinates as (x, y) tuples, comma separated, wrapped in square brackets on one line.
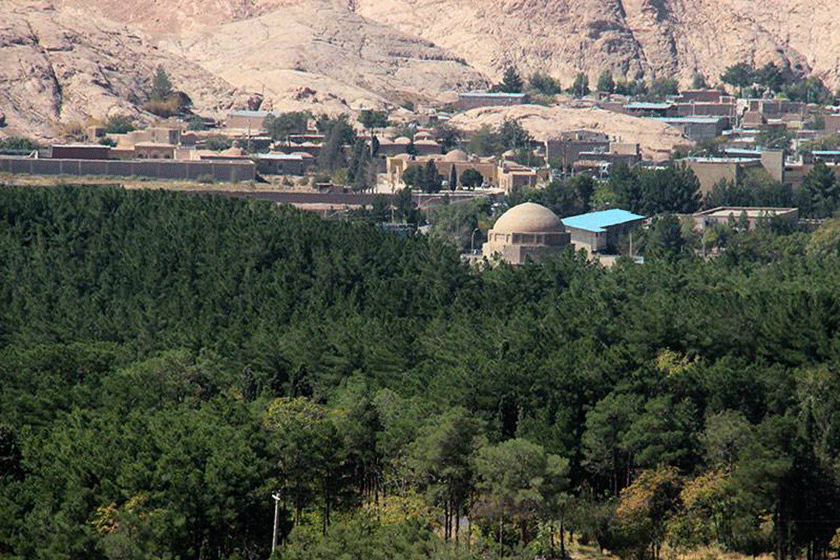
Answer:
[(497, 143)]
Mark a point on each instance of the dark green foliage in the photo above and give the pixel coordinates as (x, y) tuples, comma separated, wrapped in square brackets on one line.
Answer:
[(161, 85), (470, 178), (512, 135), (337, 134), (739, 75), (580, 87), (447, 136), (170, 360), (660, 88), (281, 126), (373, 119), (217, 143), (15, 144), (511, 82), (821, 190), (606, 83), (118, 124), (485, 142), (544, 84), (431, 180), (698, 81), (673, 189)]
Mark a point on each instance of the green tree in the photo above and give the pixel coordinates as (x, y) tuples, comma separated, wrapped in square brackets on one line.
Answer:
[(413, 176), (698, 81), (645, 506), (485, 142), (470, 179), (739, 75), (371, 119), (447, 136), (453, 178), (660, 88), (513, 136), (161, 85), (544, 84), (432, 181), (518, 479), (511, 82), (285, 124), (442, 459), (606, 83), (822, 191), (666, 240), (580, 87)]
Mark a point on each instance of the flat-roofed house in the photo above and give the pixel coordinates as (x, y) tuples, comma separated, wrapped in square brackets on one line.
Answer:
[(151, 150), (599, 231), (473, 100), (753, 215), (80, 151), (246, 120), (284, 164)]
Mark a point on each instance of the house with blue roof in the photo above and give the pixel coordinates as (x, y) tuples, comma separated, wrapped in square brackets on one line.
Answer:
[(599, 232)]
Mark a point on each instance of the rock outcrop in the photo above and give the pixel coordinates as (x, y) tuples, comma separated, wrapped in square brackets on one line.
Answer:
[(62, 67), (655, 138)]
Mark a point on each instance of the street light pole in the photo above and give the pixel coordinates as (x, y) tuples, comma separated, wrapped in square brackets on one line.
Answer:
[(276, 521)]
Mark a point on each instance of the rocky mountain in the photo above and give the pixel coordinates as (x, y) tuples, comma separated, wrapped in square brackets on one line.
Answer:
[(67, 61), (631, 38), (62, 66)]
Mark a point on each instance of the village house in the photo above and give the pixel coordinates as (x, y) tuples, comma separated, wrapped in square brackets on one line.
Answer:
[(80, 151), (473, 100), (598, 232), (246, 120), (735, 214)]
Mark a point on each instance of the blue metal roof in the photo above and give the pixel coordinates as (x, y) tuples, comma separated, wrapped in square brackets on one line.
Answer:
[(597, 221)]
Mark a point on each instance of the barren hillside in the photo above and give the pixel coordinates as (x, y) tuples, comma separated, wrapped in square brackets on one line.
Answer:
[(656, 139), (67, 60), (632, 38), (63, 66), (318, 54)]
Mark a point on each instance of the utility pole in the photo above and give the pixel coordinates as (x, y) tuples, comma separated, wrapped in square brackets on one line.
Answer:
[(276, 497)]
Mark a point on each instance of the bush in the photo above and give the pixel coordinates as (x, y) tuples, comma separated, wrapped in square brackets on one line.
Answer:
[(119, 124), (218, 143), (206, 179), (18, 144)]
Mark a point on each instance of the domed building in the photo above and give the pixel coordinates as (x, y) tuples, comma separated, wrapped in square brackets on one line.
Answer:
[(526, 231)]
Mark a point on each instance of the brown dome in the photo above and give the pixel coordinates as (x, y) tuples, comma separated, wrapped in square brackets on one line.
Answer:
[(528, 218)]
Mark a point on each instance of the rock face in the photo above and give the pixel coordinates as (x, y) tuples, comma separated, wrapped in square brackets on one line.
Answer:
[(656, 139), (631, 38), (63, 67), (317, 54)]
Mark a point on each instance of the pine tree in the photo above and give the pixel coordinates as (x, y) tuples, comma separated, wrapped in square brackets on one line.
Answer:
[(161, 85)]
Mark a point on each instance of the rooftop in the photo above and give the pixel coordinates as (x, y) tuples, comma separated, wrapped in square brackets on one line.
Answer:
[(750, 211), (695, 120), (249, 113), (489, 94), (597, 221), (649, 106)]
